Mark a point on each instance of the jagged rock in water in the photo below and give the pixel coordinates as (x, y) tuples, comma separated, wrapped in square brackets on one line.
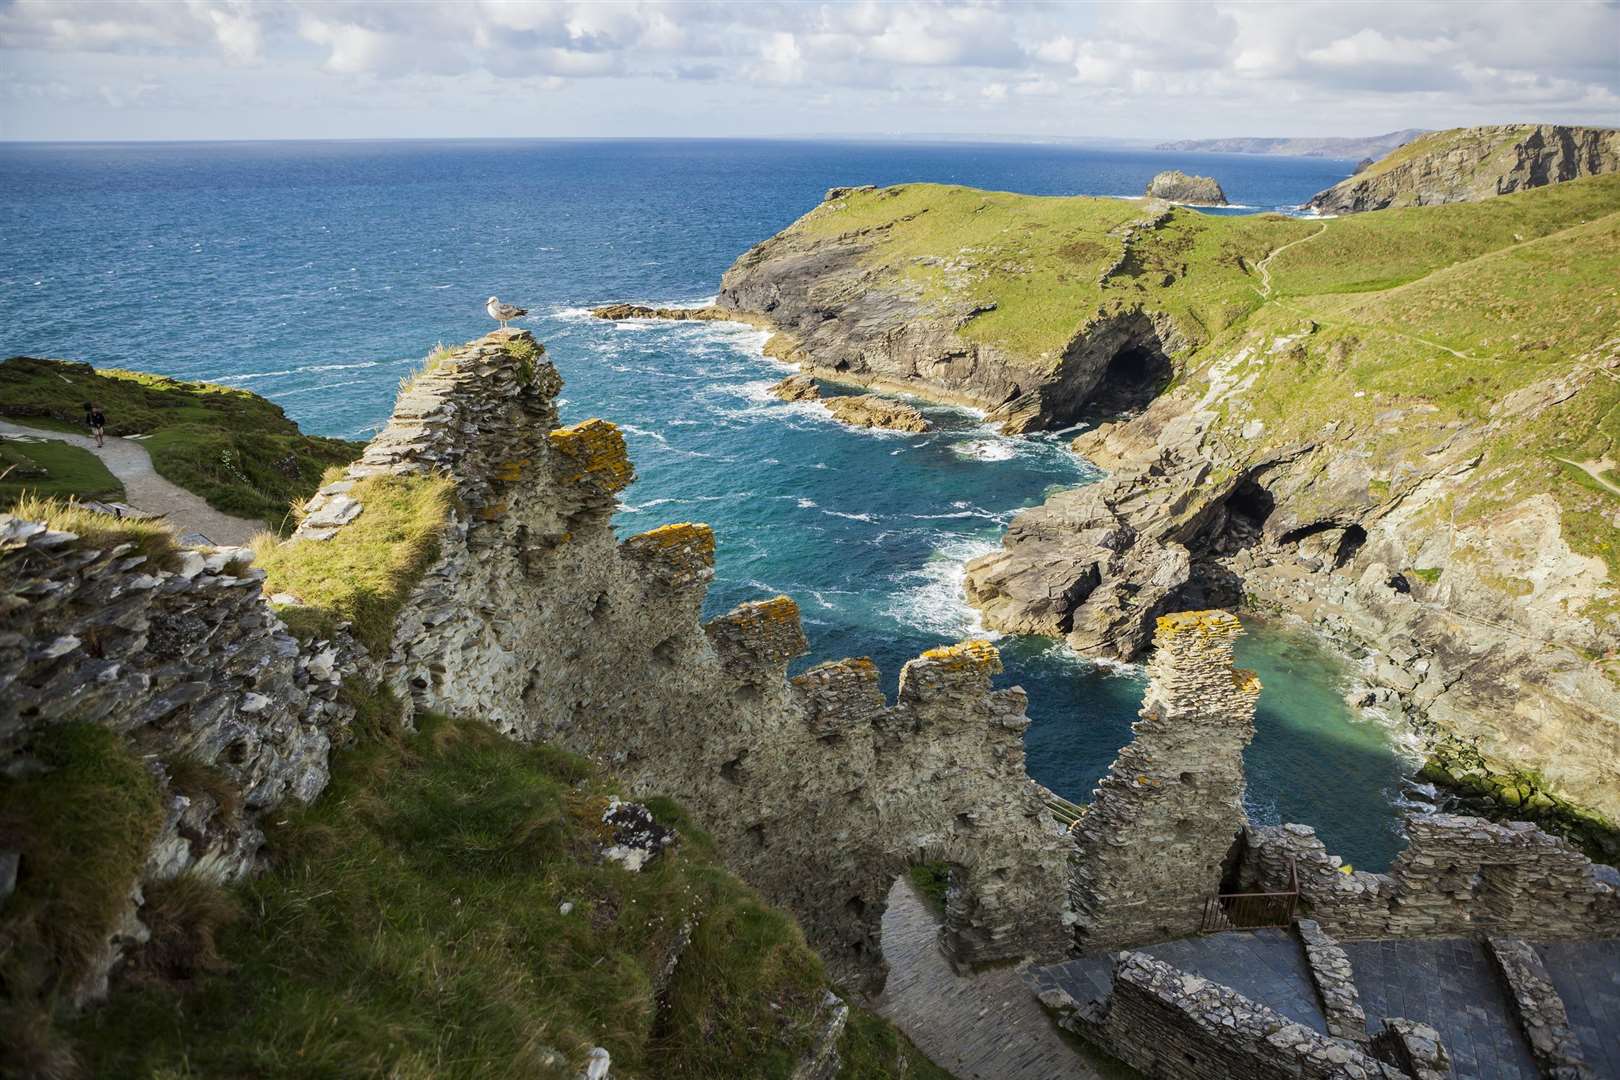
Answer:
[(1469, 164), (1173, 185), (617, 312), (871, 411), (797, 388)]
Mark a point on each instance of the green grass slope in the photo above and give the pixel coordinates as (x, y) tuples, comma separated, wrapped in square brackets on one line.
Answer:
[(51, 468), (413, 925), (237, 450), (1447, 308)]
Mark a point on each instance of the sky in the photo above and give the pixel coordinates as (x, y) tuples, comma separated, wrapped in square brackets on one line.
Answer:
[(1113, 69)]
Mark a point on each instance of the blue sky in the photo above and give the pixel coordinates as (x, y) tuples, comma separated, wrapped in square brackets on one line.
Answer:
[(209, 69)]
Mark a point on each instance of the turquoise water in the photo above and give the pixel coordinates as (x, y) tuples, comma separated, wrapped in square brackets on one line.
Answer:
[(320, 273)]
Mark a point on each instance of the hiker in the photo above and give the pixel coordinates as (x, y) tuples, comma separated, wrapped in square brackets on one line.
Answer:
[(98, 423)]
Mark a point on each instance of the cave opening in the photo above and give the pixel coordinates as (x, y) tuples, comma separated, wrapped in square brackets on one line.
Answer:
[(1132, 378)]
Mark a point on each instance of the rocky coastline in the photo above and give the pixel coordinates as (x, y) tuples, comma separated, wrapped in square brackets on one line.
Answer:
[(1469, 164)]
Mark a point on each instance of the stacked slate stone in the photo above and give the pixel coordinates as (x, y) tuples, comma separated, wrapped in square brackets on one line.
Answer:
[(1541, 1012), (536, 617), (1166, 817), (1457, 876), (184, 663), (1415, 1048), (1173, 1025), (1335, 983)]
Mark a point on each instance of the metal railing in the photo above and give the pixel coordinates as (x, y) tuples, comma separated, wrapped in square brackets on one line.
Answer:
[(1250, 911)]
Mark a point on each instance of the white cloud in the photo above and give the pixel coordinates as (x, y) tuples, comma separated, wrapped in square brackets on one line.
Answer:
[(1142, 68)]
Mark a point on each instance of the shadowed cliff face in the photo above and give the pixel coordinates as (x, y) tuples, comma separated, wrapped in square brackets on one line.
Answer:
[(1467, 622), (1469, 164), (841, 316)]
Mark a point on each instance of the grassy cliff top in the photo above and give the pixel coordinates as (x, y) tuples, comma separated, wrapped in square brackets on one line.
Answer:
[(232, 447), (1397, 329), (1033, 267)]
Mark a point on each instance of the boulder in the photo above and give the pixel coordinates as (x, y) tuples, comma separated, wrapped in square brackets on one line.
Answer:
[(1176, 186), (871, 411)]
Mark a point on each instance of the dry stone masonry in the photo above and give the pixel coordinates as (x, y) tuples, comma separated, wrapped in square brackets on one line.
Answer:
[(537, 618), (1458, 876), (1165, 819), (1174, 1025), (1540, 1010), (1335, 983), (190, 666)]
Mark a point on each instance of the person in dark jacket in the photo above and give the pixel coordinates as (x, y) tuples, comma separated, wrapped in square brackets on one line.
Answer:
[(98, 423)]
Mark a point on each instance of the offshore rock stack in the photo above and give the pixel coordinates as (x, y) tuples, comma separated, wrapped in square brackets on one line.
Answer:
[(1164, 821)]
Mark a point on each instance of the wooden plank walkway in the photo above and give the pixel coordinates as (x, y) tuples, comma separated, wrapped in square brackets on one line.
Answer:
[(986, 1026)]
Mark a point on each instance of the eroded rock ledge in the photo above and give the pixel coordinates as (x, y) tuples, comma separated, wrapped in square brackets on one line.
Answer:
[(861, 410), (1474, 630)]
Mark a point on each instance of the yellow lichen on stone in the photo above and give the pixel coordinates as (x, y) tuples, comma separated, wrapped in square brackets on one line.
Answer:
[(492, 511), (598, 448), (975, 655), (1245, 680), (777, 609), (509, 472), (1209, 623), (679, 534)]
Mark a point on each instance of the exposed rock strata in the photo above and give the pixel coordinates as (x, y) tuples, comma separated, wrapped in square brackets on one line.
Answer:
[(842, 319), (818, 790), (1175, 186), (1492, 641), (1469, 164)]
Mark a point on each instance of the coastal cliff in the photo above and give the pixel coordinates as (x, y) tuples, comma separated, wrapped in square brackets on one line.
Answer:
[(502, 675), (1469, 164), (1381, 425)]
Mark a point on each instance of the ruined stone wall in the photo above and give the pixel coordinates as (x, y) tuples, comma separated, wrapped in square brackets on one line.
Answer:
[(1177, 1026), (819, 792), (1164, 820), (1458, 876), (189, 665)]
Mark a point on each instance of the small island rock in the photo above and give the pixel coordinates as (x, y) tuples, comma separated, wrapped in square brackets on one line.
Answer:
[(869, 410), (1176, 186), (797, 388)]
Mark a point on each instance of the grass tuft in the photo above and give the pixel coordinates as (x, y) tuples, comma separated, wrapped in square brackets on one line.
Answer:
[(82, 827), (364, 573), (153, 539)]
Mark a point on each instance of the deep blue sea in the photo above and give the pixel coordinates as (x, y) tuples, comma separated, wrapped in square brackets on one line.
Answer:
[(318, 274)]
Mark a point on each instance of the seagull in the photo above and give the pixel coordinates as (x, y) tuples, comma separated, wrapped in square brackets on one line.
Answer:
[(502, 312)]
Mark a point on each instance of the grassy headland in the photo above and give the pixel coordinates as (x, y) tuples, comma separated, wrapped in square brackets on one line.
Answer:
[(52, 468), (237, 450)]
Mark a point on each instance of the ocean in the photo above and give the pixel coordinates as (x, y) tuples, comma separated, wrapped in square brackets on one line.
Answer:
[(320, 273)]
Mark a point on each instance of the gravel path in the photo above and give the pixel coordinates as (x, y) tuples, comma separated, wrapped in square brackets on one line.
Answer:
[(145, 490)]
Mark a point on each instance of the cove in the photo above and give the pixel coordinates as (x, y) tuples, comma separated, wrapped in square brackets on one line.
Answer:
[(319, 274)]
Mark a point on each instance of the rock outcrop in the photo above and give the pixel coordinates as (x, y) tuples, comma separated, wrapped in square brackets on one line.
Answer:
[(618, 312), (818, 791), (1469, 164), (229, 714), (1175, 186), (858, 410), (841, 316), (1465, 626)]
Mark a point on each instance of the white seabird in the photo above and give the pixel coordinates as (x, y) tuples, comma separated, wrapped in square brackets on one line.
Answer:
[(502, 312)]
